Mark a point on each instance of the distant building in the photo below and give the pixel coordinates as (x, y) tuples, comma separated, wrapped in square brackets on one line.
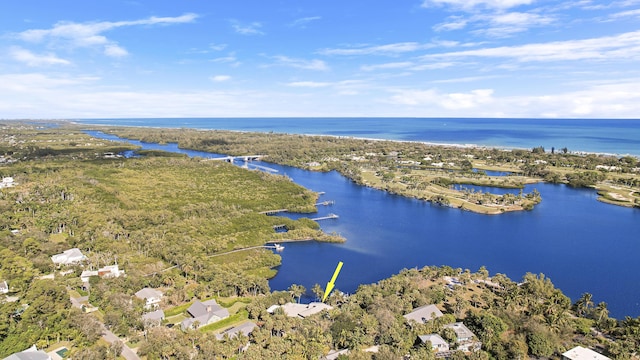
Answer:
[(4, 287), (7, 182), (580, 353), (31, 353), (204, 313), (152, 297), (69, 257), (423, 314)]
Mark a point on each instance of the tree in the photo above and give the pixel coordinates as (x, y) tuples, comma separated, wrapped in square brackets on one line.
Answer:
[(318, 291), (584, 304), (297, 291)]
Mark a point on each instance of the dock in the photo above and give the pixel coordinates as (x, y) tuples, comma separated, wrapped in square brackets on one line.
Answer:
[(273, 212), (330, 216), (326, 203)]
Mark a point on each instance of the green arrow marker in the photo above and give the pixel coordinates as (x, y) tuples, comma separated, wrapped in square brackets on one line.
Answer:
[(331, 284)]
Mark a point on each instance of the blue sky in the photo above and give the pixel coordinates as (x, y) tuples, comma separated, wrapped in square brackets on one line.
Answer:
[(241, 58)]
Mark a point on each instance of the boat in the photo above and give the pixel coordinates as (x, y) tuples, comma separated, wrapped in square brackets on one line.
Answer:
[(278, 247)]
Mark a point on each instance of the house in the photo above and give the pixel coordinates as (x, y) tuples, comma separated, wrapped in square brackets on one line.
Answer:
[(109, 271), (580, 353), (151, 297), (245, 328), (69, 257), (423, 314), (464, 337), (4, 287), (301, 310), (204, 313), (31, 353), (153, 318), (438, 344)]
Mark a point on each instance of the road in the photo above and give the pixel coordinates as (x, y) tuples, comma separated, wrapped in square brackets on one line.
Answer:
[(107, 335)]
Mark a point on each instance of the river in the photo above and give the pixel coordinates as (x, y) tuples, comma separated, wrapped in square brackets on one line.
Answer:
[(581, 244)]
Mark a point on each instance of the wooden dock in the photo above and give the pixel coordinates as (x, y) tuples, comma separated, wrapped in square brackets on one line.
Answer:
[(273, 212), (330, 216)]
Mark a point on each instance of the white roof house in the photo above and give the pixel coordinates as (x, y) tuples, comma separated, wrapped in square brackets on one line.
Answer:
[(464, 337), (438, 344), (151, 296), (580, 353), (31, 353), (423, 314), (304, 310), (4, 287), (68, 257)]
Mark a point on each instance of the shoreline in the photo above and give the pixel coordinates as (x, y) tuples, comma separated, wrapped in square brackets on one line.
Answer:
[(428, 143)]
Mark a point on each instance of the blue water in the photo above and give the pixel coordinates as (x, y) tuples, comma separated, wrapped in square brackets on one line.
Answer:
[(600, 136), (581, 244)]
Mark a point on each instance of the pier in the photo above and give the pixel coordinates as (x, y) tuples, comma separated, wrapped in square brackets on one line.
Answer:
[(330, 216), (273, 212), (326, 203)]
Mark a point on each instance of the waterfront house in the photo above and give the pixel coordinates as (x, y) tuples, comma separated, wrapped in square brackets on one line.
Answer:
[(438, 344), (301, 310), (580, 353), (152, 297), (69, 257), (204, 313), (423, 314), (465, 339)]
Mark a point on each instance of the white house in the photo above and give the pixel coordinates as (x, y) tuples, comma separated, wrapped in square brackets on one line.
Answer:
[(68, 257), (580, 353), (152, 297), (301, 310), (4, 287), (423, 314), (6, 182), (438, 344), (464, 337)]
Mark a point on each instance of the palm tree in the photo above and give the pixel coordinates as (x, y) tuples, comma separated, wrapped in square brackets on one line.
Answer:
[(584, 304), (297, 291)]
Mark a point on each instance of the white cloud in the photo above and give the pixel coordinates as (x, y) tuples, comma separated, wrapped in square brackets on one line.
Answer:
[(220, 78), (629, 13), (452, 23), (217, 47), (451, 101), (247, 29), (622, 46), (113, 50), (302, 22), (393, 65), (387, 49), (309, 84), (471, 4), (313, 64), (70, 34), (31, 59)]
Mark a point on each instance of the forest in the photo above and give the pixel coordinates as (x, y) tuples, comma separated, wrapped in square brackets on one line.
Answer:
[(195, 230)]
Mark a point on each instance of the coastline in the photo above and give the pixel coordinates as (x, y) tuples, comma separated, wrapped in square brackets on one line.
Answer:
[(81, 122)]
